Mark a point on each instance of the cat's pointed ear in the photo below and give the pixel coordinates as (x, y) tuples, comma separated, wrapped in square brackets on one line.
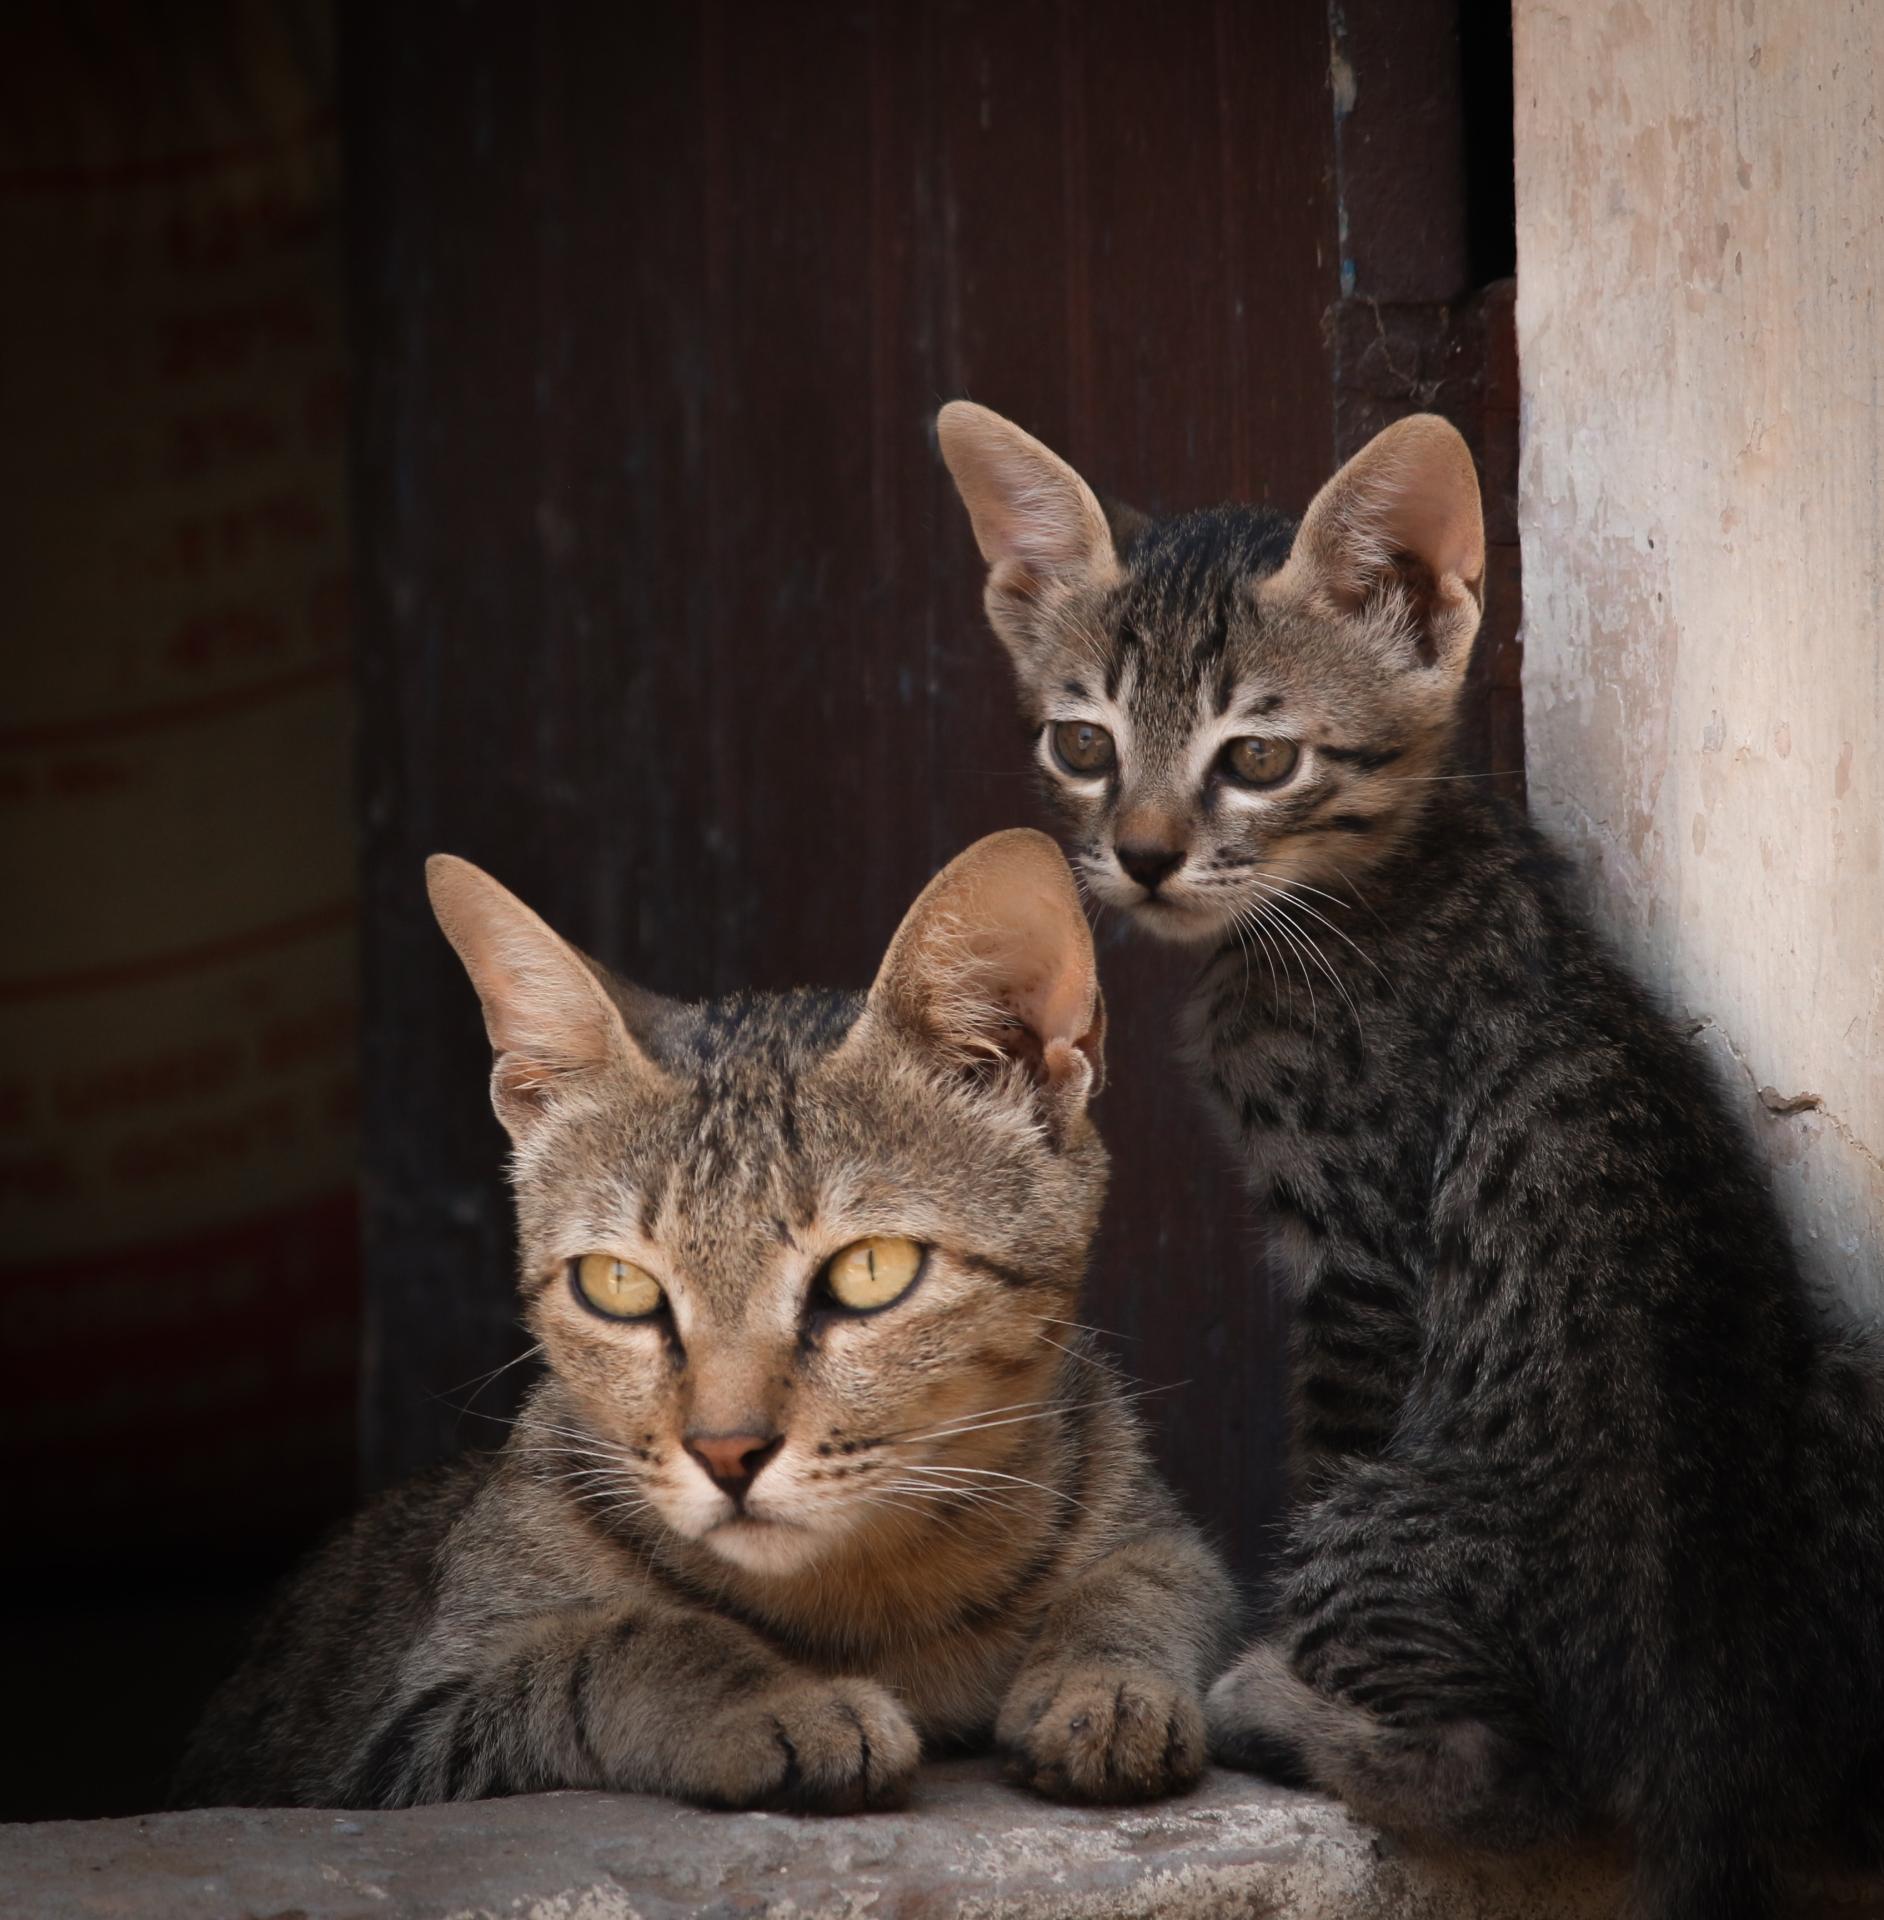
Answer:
[(1124, 522), (1039, 526), (995, 963), (551, 1021), (1399, 531)]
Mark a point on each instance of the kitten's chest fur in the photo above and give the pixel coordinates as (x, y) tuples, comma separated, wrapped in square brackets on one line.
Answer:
[(1334, 1072), (1334, 1110)]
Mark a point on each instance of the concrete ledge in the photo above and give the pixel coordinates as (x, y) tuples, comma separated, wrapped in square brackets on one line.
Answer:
[(970, 1847)]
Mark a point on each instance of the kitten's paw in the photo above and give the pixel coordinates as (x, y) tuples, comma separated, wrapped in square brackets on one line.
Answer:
[(1248, 1715), (1103, 1733), (809, 1745)]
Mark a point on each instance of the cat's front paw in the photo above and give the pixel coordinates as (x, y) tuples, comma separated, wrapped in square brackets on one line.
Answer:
[(1103, 1733), (809, 1745)]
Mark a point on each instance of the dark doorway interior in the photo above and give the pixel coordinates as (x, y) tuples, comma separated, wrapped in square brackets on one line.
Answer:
[(663, 609)]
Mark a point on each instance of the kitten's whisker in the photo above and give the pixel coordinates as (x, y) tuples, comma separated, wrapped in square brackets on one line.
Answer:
[(1013, 1406), (478, 1382), (923, 1515), (1292, 944), (1429, 779), (1085, 1326), (595, 1440), (935, 1501), (1289, 880), (950, 1493), (606, 1475), (1073, 1353), (991, 1473), (590, 1463), (1361, 900), (1284, 897), (1321, 960), (1247, 959), (1269, 954), (1048, 1410), (1279, 906), (983, 1426)]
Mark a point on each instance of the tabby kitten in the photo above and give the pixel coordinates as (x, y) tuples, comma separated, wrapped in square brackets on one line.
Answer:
[(819, 1471), (1590, 1497)]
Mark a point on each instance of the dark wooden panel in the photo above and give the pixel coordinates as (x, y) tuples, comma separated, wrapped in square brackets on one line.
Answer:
[(669, 616), (1424, 188), (1400, 148)]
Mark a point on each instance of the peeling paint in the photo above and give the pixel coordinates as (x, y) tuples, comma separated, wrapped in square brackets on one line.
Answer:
[(1699, 500)]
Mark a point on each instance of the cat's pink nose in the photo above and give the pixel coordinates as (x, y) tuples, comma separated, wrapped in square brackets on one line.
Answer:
[(732, 1460)]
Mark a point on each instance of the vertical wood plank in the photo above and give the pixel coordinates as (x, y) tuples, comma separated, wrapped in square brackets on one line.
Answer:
[(671, 617)]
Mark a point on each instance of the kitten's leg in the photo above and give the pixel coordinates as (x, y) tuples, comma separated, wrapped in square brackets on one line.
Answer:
[(1446, 1776), (1108, 1704), (1380, 1684), (653, 1699), (1354, 1345)]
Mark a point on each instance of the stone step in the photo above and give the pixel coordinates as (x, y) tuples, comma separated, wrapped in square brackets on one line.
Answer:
[(970, 1847)]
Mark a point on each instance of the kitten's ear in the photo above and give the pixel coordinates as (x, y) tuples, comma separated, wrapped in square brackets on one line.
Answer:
[(1039, 526), (1124, 523), (995, 962), (550, 1019), (1399, 529)]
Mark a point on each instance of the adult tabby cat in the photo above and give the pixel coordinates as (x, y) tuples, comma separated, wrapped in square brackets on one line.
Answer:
[(1589, 1516), (819, 1471)]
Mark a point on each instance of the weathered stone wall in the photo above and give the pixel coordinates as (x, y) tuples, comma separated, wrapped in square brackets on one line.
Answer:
[(1700, 244)]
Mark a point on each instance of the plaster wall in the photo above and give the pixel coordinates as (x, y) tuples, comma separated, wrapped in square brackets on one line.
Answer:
[(1700, 243)]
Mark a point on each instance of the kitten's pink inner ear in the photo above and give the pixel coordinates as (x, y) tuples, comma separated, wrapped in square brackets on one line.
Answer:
[(1032, 514), (1411, 491), (995, 958), (545, 1011)]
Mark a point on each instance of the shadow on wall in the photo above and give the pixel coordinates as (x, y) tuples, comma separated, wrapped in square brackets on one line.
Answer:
[(178, 1253)]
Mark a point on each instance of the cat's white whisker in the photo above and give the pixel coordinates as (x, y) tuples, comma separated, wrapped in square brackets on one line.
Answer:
[(1313, 947), (478, 1382), (1290, 945), (1012, 1406), (1048, 1411), (1072, 1353), (1084, 1326), (1286, 894), (1243, 943), (992, 1473), (595, 1441), (923, 1514), (1269, 954)]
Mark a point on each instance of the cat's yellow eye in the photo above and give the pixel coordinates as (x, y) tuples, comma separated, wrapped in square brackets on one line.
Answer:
[(1254, 762), (1082, 748), (617, 1288), (871, 1273)]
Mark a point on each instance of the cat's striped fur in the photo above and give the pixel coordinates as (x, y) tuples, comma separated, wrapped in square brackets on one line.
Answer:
[(1592, 1498), (957, 1535)]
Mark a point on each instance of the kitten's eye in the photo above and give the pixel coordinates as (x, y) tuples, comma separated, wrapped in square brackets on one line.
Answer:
[(871, 1273), (1082, 748), (1253, 762), (617, 1288)]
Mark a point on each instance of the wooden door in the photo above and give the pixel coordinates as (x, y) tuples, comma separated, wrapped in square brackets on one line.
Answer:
[(668, 614)]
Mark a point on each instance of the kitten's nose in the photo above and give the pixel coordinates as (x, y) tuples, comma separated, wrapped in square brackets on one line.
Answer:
[(733, 1460), (1149, 865)]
